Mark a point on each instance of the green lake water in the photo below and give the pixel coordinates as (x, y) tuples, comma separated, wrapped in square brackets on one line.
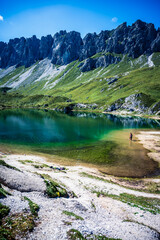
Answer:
[(96, 140)]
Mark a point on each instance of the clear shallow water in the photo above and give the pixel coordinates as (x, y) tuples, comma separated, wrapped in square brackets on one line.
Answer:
[(97, 139)]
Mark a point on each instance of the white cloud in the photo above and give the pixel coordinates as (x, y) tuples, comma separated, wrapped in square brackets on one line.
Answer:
[(1, 18), (115, 19)]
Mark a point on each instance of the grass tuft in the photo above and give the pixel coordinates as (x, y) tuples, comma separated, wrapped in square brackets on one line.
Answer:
[(74, 234), (3, 163), (73, 215), (3, 192), (4, 211), (53, 189), (33, 206), (151, 205), (16, 226)]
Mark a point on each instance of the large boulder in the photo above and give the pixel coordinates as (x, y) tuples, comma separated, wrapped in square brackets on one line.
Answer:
[(103, 61), (138, 102), (21, 181), (115, 106), (106, 60), (88, 65)]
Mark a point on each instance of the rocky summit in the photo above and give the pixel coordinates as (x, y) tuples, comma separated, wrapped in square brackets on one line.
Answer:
[(116, 70), (65, 47)]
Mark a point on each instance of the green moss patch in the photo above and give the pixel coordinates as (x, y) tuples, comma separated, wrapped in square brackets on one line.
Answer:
[(72, 215), (33, 206), (16, 226), (4, 211), (40, 165), (67, 223), (25, 161), (53, 189), (3, 163), (3, 192), (74, 234), (153, 187)]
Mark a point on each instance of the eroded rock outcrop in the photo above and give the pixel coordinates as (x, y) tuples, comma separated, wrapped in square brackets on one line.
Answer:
[(139, 102), (103, 61)]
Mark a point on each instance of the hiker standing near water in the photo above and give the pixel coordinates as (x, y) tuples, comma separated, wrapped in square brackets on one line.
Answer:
[(130, 136)]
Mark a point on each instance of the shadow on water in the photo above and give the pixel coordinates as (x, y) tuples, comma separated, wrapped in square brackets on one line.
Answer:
[(99, 140)]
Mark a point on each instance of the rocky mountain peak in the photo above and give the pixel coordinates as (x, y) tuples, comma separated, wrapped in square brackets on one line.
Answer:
[(64, 47), (139, 24)]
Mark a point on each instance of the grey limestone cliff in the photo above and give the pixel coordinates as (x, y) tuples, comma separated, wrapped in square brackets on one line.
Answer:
[(65, 47)]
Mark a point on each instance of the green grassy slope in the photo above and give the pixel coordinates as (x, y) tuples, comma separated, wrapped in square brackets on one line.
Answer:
[(72, 86)]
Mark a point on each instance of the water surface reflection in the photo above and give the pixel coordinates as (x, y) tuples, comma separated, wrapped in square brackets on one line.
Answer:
[(99, 139)]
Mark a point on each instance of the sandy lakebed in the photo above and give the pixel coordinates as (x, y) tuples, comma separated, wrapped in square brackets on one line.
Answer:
[(94, 205)]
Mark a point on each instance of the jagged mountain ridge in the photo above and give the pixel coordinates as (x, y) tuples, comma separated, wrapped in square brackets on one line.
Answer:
[(63, 48)]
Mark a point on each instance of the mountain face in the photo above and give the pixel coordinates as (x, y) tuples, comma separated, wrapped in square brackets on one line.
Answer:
[(115, 70), (63, 48)]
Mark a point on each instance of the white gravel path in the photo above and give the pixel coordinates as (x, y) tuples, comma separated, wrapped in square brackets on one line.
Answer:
[(150, 62)]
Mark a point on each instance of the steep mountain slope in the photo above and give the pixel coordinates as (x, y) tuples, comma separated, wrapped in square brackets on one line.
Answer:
[(115, 70)]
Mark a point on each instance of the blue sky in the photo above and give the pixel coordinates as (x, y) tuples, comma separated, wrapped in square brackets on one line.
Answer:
[(41, 17)]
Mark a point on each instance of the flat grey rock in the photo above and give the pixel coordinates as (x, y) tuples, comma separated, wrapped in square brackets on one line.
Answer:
[(21, 181)]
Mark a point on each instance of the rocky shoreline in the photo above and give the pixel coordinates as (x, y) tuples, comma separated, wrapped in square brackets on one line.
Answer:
[(95, 205), (151, 141), (125, 113)]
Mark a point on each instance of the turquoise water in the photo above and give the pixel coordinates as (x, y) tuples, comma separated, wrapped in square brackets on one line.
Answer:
[(42, 128), (84, 137)]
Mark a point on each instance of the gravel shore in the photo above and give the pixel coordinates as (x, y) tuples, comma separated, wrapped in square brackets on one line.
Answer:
[(99, 215)]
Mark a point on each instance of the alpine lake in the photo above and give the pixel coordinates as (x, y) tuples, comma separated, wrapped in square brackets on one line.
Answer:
[(79, 138)]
